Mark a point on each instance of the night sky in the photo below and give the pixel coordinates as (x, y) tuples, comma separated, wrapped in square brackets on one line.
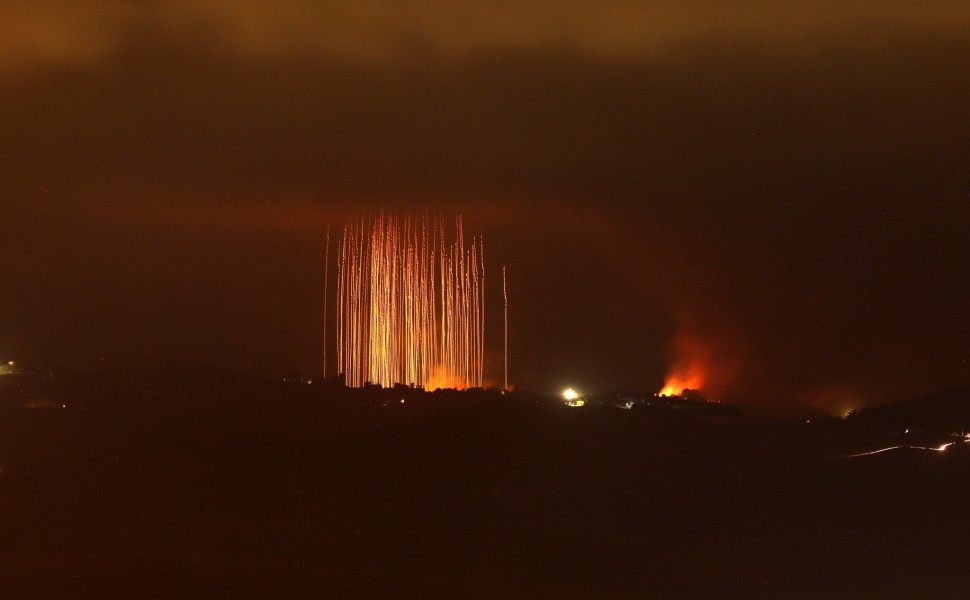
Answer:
[(775, 192)]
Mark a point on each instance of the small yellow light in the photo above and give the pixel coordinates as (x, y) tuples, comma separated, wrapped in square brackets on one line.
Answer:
[(570, 394)]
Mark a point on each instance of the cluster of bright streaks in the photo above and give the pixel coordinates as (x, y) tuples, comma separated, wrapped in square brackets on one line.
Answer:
[(410, 304)]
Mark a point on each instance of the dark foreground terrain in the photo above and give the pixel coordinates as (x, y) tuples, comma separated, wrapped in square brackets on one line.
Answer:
[(150, 489)]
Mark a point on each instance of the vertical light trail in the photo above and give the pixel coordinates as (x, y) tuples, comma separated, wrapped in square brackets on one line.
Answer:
[(410, 304), (505, 298), (326, 293)]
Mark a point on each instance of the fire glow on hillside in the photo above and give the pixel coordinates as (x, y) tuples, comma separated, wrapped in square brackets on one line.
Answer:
[(689, 370)]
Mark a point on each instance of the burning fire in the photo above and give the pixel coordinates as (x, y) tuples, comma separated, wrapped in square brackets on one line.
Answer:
[(690, 370), (685, 377), (440, 379)]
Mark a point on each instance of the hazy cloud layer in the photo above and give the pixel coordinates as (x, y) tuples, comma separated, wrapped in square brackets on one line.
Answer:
[(784, 185), (88, 32)]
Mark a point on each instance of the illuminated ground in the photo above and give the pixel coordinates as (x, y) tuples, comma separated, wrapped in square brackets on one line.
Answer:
[(202, 490)]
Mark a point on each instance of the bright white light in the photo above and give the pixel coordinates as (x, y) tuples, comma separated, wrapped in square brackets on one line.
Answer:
[(570, 394)]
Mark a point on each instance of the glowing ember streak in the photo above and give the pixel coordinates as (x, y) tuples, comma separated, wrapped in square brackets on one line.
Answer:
[(410, 305), (505, 297), (326, 292), (870, 453)]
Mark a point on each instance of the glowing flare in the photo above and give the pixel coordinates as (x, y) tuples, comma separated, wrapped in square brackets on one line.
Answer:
[(570, 394)]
